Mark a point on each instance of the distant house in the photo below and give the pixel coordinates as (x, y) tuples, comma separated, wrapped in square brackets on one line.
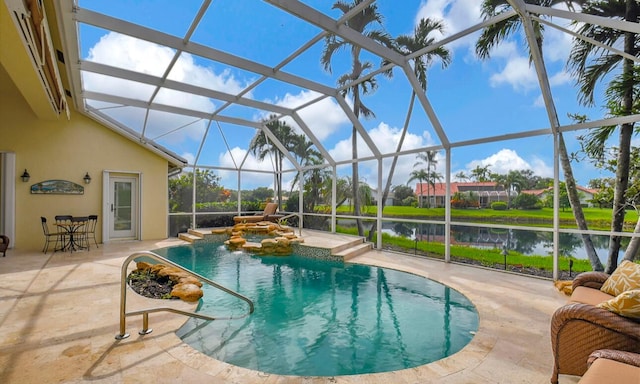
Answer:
[(388, 201), (585, 194), (374, 199), (487, 192)]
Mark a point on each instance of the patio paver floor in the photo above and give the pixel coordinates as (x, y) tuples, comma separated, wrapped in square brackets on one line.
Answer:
[(59, 316)]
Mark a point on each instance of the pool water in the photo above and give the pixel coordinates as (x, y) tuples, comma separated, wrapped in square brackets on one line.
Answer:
[(321, 318)]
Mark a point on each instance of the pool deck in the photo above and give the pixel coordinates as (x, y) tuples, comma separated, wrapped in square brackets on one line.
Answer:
[(59, 316)]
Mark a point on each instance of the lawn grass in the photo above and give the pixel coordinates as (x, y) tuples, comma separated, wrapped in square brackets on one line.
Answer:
[(597, 218)]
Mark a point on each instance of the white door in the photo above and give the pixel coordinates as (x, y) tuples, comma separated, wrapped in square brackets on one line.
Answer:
[(123, 215)]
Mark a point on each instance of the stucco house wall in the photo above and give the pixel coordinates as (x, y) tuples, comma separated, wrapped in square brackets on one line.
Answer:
[(67, 149)]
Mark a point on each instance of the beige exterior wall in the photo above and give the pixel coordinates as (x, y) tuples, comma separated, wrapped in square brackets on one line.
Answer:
[(67, 149)]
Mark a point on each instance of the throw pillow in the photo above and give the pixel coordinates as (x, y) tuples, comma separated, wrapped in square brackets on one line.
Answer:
[(626, 304), (624, 278)]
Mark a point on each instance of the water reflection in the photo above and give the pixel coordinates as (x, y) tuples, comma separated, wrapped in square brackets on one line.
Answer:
[(323, 318), (523, 241)]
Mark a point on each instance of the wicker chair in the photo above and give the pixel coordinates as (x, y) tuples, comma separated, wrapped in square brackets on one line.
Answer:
[(4, 244), (611, 366), (578, 329)]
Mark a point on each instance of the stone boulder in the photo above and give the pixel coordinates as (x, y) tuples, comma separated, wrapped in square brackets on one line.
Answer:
[(187, 292), (143, 266), (189, 280)]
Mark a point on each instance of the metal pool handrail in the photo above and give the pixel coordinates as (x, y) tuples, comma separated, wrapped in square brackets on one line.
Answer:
[(145, 312), (284, 218)]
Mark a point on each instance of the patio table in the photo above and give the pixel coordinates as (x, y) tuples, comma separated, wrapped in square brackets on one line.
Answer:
[(72, 228)]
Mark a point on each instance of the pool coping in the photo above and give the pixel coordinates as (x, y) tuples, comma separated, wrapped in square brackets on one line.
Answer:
[(51, 332)]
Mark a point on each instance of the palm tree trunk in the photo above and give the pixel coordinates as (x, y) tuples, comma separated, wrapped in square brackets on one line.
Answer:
[(279, 180), (622, 182), (624, 148), (574, 200), (634, 244), (392, 169), (428, 183)]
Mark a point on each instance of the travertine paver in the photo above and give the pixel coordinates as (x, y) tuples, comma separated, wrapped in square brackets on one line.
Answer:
[(59, 316)]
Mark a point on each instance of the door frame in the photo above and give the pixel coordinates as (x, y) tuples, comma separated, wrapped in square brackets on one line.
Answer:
[(8, 196), (107, 175)]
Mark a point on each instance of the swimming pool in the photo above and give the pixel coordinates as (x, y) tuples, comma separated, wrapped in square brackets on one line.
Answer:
[(317, 317)]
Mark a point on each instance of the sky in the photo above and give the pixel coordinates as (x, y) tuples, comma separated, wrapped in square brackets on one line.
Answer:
[(471, 98)]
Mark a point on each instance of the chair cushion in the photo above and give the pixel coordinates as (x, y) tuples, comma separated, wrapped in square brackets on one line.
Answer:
[(604, 371), (624, 278), (626, 304), (589, 296)]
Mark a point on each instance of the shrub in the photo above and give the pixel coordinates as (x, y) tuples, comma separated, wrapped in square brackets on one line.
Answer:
[(464, 202), (527, 201), (499, 206), (410, 201)]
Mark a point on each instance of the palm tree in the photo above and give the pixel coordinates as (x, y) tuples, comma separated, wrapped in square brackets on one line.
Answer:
[(500, 182), (261, 146), (433, 178), (513, 181), (362, 22), (407, 44), (419, 175), (428, 158), (480, 175), (305, 153), (591, 64), (490, 37), (462, 176), (343, 189)]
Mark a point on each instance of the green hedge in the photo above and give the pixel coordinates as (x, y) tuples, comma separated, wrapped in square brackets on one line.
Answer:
[(499, 206)]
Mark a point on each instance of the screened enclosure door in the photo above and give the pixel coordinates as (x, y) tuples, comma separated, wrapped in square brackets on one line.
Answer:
[(123, 215)]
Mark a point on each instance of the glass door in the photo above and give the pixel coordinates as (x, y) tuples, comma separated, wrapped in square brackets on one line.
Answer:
[(123, 206)]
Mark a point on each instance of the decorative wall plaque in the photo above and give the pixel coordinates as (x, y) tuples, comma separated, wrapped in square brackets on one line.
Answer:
[(57, 187)]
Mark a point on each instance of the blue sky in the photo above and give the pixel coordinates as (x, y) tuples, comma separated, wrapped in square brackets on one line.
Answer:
[(471, 98)]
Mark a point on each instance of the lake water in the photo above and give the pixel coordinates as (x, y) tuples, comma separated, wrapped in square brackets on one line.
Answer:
[(523, 241)]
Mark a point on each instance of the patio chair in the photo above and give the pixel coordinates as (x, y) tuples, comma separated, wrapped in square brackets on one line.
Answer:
[(56, 237), (611, 366), (90, 230), (269, 214), (4, 245), (582, 327)]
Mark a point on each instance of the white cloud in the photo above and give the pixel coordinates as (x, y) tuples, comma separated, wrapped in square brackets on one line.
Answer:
[(386, 139), (540, 168), (510, 55), (517, 73), (142, 56), (539, 102), (230, 178), (506, 160), (557, 44), (250, 180), (560, 78), (456, 16), (323, 117)]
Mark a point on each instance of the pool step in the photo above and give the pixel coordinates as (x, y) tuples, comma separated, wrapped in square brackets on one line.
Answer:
[(193, 235), (343, 243), (353, 251), (188, 237)]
